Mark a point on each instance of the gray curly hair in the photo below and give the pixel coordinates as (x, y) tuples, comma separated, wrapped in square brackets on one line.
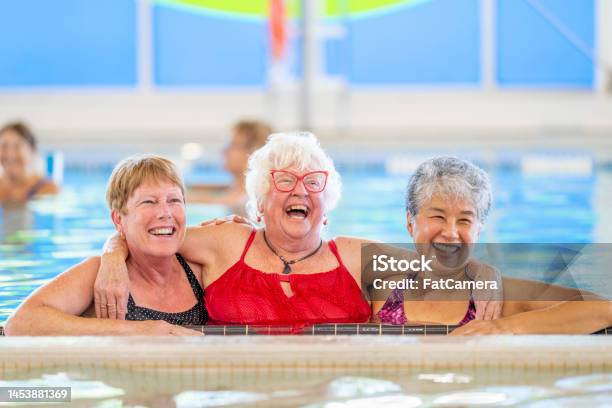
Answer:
[(453, 178)]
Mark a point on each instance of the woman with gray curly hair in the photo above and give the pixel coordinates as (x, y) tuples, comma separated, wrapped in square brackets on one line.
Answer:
[(447, 204), (452, 178)]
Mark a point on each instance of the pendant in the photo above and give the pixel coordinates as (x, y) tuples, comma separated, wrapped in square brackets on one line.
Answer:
[(287, 269)]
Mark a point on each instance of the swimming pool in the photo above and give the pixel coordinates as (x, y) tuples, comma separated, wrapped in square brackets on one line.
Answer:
[(541, 204), (332, 372), (538, 198)]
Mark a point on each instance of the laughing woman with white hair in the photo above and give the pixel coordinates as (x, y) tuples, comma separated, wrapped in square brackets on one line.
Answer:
[(283, 272)]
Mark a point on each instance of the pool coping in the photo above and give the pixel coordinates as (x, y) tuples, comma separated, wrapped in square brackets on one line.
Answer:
[(242, 353)]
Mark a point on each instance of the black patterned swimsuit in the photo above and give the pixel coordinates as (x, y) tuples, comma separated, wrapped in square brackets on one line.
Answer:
[(197, 315)]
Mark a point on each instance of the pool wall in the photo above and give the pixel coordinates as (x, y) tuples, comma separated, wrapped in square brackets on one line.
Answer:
[(350, 353)]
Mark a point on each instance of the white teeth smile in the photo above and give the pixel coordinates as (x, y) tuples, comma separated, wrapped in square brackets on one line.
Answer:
[(297, 211), (162, 231), (447, 248)]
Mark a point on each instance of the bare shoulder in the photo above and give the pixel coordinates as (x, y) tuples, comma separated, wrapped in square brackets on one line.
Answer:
[(204, 245), (351, 244), (232, 237), (214, 235), (361, 247), (86, 268), (225, 230), (350, 250), (234, 229)]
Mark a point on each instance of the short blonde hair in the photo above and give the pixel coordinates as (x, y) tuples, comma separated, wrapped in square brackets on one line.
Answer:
[(299, 149), (132, 172)]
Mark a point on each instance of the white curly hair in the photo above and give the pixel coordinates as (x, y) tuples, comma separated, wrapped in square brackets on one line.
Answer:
[(289, 149)]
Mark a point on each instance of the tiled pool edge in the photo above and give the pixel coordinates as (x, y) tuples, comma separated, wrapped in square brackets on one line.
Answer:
[(304, 353)]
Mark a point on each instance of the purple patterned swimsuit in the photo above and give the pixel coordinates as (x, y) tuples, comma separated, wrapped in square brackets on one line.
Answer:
[(393, 310)]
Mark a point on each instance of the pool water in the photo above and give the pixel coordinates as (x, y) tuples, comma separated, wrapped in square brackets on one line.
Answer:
[(357, 371), (411, 388), (44, 238)]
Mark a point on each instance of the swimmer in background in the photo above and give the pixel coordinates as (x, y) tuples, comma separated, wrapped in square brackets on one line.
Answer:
[(247, 136), (19, 179)]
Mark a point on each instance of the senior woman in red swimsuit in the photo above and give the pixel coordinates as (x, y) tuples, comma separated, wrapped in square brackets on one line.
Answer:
[(283, 273)]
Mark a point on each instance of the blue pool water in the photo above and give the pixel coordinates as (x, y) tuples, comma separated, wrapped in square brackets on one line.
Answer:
[(44, 238)]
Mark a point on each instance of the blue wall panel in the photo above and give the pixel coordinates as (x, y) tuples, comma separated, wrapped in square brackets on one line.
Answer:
[(67, 43), (533, 52), (196, 49), (433, 42)]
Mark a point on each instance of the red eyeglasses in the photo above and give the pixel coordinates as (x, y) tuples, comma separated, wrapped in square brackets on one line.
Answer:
[(286, 181)]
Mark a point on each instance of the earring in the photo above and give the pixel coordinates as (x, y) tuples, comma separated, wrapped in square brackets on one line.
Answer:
[(258, 218), (325, 221)]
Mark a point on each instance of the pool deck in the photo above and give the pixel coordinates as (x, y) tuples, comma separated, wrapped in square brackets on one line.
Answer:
[(298, 353)]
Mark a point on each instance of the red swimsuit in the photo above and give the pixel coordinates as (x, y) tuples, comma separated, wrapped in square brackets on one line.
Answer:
[(245, 295)]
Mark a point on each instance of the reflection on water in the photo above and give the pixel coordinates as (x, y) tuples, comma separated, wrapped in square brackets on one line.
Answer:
[(79, 389), (190, 388), (595, 383), (15, 218), (217, 398)]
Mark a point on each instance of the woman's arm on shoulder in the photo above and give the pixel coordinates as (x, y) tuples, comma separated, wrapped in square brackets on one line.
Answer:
[(204, 243), (54, 308)]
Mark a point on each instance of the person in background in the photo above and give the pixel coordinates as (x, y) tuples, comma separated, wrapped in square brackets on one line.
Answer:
[(247, 136), (19, 180)]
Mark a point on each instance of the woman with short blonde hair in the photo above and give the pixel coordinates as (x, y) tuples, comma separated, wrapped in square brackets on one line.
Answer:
[(146, 199), (130, 173)]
